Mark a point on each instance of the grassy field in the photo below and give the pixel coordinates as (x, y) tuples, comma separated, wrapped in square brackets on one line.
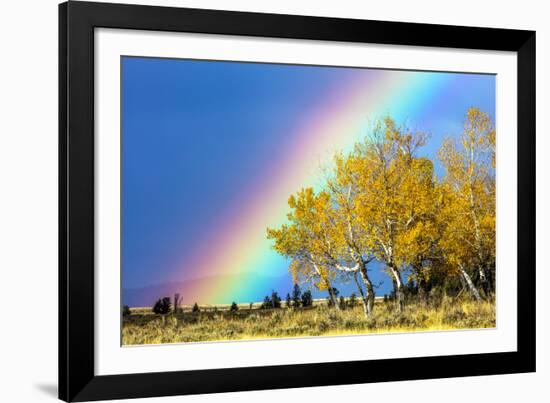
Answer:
[(143, 327)]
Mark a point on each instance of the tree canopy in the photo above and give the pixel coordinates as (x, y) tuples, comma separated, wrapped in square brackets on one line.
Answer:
[(384, 201)]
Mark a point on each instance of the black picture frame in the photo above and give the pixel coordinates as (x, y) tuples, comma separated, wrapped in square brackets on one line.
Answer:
[(77, 379)]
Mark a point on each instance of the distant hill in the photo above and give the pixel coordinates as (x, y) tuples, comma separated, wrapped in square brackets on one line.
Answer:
[(146, 296), (188, 289)]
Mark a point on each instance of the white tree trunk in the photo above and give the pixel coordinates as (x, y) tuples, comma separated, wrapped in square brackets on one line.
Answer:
[(398, 284), (332, 297), (471, 287), (329, 285), (369, 287)]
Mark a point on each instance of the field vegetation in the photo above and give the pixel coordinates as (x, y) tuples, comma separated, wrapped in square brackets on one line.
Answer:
[(220, 323)]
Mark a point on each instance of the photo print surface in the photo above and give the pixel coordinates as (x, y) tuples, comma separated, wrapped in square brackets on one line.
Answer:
[(265, 201)]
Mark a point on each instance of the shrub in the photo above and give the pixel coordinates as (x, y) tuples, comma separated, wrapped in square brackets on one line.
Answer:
[(323, 326), (342, 303), (195, 308), (126, 310), (411, 289), (234, 307), (352, 300), (162, 306)]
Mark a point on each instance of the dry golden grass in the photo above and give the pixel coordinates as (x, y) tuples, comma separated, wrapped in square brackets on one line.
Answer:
[(451, 314)]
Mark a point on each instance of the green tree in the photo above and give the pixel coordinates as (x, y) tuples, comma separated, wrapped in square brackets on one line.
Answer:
[(296, 295), (162, 306), (275, 300), (266, 304), (307, 299)]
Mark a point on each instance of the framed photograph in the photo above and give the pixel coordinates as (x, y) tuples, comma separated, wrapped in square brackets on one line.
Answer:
[(256, 201)]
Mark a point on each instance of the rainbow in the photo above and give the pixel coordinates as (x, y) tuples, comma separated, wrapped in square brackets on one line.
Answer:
[(237, 245)]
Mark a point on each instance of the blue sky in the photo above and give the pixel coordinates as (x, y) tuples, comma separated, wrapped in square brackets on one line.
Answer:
[(194, 132)]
